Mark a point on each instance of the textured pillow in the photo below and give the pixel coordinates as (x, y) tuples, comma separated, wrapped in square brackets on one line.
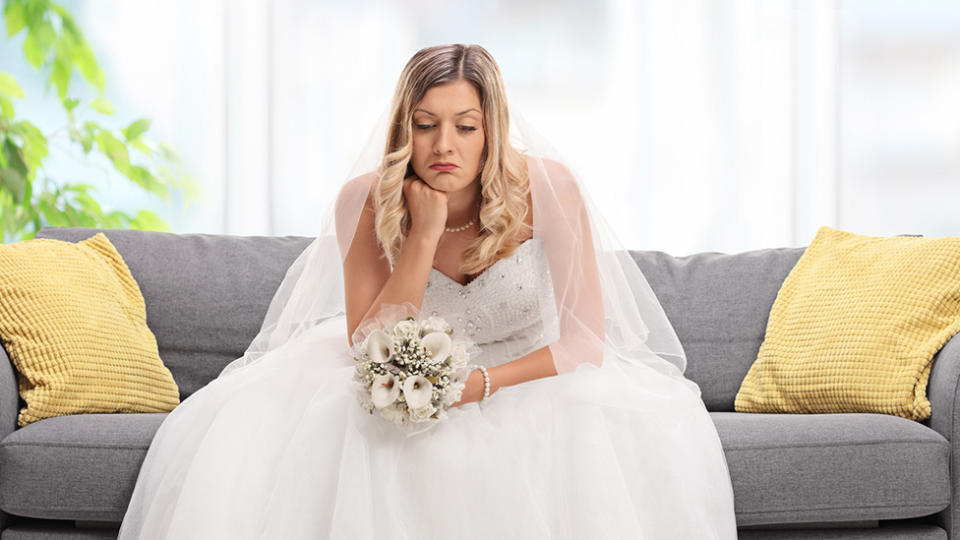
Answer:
[(73, 322), (855, 326)]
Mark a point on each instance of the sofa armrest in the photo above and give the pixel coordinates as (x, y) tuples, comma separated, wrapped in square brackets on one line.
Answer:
[(943, 391), (9, 395)]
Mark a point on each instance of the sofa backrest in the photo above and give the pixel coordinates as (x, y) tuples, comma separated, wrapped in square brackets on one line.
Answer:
[(718, 304), (206, 295)]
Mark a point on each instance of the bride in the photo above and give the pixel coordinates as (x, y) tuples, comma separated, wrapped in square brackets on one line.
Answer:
[(456, 209)]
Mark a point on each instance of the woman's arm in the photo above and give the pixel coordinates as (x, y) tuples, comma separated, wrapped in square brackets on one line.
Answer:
[(367, 279), (407, 282), (535, 365)]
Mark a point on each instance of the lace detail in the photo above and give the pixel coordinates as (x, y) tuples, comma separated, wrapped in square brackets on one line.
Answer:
[(508, 310)]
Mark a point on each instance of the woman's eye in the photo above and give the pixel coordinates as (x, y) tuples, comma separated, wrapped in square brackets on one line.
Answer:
[(428, 126)]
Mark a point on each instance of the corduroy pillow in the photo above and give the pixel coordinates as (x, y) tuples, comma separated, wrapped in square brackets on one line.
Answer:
[(855, 326), (74, 324)]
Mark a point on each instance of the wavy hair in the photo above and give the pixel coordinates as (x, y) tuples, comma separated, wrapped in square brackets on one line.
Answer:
[(504, 177)]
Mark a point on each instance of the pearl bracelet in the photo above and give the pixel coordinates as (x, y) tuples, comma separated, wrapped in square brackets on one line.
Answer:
[(486, 381)]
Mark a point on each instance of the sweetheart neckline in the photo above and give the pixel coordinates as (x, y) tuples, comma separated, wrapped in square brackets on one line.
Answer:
[(487, 269)]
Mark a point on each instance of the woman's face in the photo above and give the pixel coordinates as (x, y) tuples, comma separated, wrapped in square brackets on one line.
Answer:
[(448, 128)]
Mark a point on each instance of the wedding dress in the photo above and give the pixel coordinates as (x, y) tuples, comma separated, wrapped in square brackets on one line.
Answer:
[(281, 449), (618, 444)]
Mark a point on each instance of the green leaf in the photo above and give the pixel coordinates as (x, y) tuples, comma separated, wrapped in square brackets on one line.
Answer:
[(101, 104), (16, 20), (6, 108), (9, 86), (15, 183), (115, 150), (88, 66), (148, 221), (35, 143), (70, 104), (40, 37), (135, 129), (142, 146), (62, 67), (14, 161), (143, 177)]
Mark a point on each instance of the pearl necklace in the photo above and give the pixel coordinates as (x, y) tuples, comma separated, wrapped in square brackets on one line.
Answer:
[(460, 228)]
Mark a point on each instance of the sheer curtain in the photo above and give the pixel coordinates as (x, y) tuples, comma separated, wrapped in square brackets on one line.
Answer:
[(698, 125)]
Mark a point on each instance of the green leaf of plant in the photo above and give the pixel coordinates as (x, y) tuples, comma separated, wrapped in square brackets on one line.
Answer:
[(88, 66), (101, 104), (16, 20), (35, 143), (115, 150), (70, 104), (9, 86), (40, 37), (135, 129), (12, 154), (142, 146), (15, 183), (62, 67), (6, 108), (148, 221)]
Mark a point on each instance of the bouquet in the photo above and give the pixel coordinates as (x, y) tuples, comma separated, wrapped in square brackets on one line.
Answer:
[(411, 371)]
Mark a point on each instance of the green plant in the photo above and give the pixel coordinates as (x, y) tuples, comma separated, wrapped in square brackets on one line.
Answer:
[(29, 198)]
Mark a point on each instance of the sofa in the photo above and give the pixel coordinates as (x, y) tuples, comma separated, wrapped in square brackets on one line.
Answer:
[(836, 476)]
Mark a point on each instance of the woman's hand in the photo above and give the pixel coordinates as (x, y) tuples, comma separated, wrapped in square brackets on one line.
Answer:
[(473, 391), (428, 207)]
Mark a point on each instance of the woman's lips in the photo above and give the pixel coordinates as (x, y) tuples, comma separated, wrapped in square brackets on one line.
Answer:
[(443, 167)]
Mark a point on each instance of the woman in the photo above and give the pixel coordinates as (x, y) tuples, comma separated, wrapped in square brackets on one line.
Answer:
[(589, 429)]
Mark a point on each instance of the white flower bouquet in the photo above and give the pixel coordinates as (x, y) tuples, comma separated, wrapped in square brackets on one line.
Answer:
[(411, 370)]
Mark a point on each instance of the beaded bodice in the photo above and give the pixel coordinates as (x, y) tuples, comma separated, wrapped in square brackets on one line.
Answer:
[(508, 310)]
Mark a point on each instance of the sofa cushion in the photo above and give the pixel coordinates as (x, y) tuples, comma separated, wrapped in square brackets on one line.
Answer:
[(74, 322), (718, 304), (81, 467), (856, 325), (795, 468), (206, 295)]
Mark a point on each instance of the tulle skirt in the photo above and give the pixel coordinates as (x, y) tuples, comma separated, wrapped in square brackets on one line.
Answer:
[(282, 449)]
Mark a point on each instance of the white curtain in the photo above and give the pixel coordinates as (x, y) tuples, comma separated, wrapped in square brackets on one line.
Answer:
[(698, 125)]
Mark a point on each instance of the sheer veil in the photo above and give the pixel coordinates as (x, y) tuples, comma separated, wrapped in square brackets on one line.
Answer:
[(604, 307)]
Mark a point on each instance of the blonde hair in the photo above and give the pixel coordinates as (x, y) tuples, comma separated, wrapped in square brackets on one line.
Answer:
[(504, 178)]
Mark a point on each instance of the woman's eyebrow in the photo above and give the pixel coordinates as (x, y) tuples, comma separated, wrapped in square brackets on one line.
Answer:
[(458, 114)]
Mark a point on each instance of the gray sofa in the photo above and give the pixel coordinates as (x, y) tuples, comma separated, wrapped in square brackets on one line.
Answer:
[(794, 476)]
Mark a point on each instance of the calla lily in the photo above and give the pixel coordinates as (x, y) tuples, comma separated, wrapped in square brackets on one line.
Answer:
[(438, 345), (384, 390), (379, 346), (418, 391)]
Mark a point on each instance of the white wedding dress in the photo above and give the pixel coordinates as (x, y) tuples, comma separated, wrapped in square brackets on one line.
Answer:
[(282, 449)]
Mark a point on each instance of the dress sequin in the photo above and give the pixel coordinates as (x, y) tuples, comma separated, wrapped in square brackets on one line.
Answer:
[(506, 317)]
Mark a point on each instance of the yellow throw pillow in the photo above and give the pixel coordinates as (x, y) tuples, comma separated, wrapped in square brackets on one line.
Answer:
[(74, 323), (855, 326)]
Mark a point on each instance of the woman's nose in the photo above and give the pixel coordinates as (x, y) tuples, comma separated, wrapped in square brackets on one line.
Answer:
[(442, 144)]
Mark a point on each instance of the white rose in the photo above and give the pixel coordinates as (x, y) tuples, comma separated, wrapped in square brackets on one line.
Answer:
[(393, 413), (458, 357), (417, 390), (379, 346), (406, 328), (437, 345), (452, 394), (435, 324), (422, 414), (384, 390)]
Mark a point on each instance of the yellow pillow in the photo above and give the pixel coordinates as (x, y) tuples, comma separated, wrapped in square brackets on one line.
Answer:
[(74, 323), (855, 326)]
